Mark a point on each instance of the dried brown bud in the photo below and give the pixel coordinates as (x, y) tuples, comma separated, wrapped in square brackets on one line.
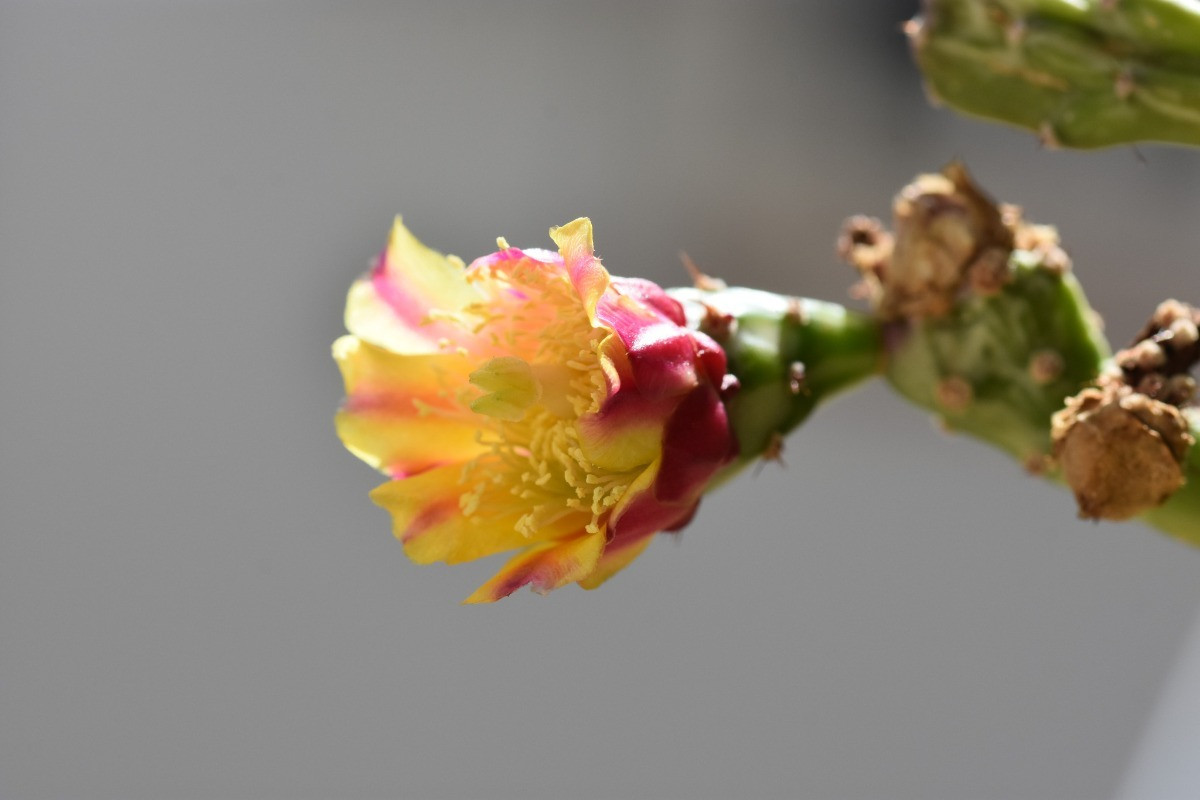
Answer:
[(1169, 344), (1183, 332), (1120, 451), (1144, 356), (1179, 390), (1028, 236), (1042, 240), (1055, 260), (1168, 311), (943, 225), (1152, 385), (865, 245), (949, 239), (1011, 215)]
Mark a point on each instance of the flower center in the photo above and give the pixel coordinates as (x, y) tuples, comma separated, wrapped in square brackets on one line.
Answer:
[(531, 403)]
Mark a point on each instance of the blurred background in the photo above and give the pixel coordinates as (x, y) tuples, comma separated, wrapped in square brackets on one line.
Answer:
[(197, 598)]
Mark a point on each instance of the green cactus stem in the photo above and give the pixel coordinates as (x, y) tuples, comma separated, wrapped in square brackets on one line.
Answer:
[(1180, 515), (988, 328), (998, 366), (789, 354), (1081, 73)]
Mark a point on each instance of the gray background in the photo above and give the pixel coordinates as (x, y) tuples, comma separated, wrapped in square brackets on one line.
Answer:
[(197, 599)]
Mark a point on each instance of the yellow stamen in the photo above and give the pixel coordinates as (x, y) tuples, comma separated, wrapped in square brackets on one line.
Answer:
[(531, 405)]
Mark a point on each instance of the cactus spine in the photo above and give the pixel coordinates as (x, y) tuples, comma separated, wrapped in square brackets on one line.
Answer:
[(1081, 73)]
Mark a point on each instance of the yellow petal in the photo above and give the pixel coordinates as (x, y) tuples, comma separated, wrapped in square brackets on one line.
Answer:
[(431, 379), (641, 484), (427, 518), (404, 445), (575, 236), (399, 304), (620, 449), (590, 278), (402, 414), (613, 561), (545, 567), (628, 437)]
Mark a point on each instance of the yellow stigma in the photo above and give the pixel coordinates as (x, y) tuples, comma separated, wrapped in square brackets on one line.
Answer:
[(510, 386)]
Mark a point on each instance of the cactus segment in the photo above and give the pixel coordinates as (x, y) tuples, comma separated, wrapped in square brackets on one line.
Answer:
[(789, 354), (997, 367), (1180, 515), (1081, 73), (987, 327)]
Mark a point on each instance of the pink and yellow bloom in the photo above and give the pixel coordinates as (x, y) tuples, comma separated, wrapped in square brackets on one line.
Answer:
[(529, 402)]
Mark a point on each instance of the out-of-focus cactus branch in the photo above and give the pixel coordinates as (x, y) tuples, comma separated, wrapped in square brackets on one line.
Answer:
[(1081, 73)]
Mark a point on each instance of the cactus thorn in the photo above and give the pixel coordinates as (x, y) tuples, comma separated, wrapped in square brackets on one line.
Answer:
[(773, 454), (699, 279), (717, 323), (795, 311), (774, 451), (1047, 138)]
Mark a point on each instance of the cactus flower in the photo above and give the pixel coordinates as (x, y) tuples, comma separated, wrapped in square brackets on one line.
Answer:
[(530, 402)]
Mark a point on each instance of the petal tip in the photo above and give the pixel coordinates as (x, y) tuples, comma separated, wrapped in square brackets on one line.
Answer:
[(577, 231)]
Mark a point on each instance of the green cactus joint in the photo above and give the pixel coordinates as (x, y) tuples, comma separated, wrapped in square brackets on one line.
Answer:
[(997, 367), (789, 354), (1180, 515), (1080, 73), (976, 316), (987, 327)]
